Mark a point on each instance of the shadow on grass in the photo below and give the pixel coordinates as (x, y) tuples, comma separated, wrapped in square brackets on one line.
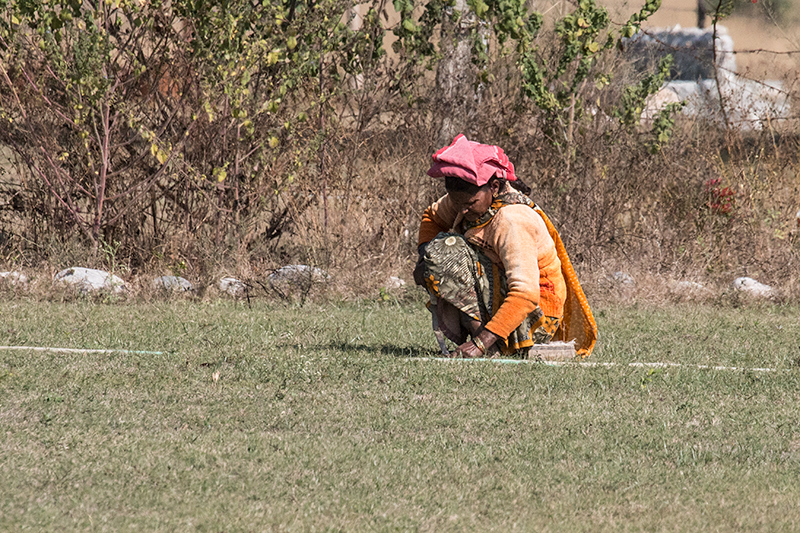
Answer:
[(391, 350)]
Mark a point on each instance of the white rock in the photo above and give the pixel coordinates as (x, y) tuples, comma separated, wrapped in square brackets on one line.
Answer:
[(687, 286), (752, 287), (14, 278), (89, 279), (172, 283), (395, 283), (689, 289), (232, 286), (298, 274), (623, 278)]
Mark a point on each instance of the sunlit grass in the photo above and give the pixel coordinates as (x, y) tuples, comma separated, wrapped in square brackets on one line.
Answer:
[(302, 418)]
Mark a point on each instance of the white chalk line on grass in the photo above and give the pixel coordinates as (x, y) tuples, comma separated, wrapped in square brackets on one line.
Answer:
[(598, 364), (443, 359), (75, 350)]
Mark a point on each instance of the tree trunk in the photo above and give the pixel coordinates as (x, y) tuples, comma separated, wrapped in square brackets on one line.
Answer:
[(455, 75)]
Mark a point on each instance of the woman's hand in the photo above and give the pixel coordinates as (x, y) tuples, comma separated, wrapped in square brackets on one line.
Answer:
[(479, 348), (468, 350)]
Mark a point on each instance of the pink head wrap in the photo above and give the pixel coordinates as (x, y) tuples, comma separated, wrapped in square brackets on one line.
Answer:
[(473, 162)]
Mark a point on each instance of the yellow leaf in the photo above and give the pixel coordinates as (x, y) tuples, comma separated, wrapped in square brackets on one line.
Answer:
[(209, 111), (162, 156), (274, 142)]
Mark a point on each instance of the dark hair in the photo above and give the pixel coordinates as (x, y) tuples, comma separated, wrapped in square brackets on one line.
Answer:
[(521, 186), (454, 184)]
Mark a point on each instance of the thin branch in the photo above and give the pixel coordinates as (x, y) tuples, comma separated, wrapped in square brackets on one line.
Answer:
[(148, 183), (13, 90), (722, 108), (53, 107), (72, 210), (57, 169)]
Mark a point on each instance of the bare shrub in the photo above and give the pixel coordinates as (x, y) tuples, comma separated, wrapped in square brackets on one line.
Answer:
[(322, 162)]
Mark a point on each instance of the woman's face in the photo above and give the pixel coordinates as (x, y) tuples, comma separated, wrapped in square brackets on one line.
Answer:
[(473, 204)]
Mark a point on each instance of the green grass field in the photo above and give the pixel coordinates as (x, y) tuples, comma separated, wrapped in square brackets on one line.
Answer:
[(313, 419)]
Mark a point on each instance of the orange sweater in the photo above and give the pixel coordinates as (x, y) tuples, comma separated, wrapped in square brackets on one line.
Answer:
[(517, 240)]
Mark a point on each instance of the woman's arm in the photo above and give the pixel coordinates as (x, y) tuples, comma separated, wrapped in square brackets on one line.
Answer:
[(439, 216), (517, 234)]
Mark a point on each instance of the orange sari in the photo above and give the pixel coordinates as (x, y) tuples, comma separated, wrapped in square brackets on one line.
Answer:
[(578, 322)]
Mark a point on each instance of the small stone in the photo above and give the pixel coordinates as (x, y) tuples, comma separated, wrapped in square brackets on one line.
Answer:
[(232, 287), (298, 274), (752, 287), (687, 287), (623, 278), (90, 279), (172, 283), (395, 283), (296, 280), (14, 278)]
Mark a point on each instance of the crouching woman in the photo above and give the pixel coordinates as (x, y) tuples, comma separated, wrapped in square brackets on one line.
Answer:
[(497, 273)]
